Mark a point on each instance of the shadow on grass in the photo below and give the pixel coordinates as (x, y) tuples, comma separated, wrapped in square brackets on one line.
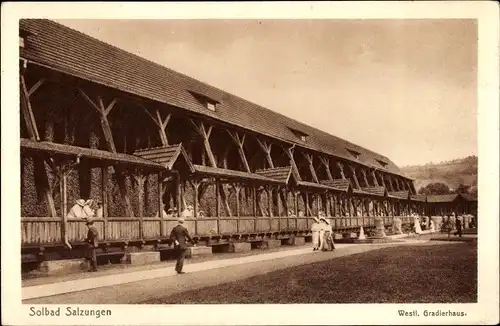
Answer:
[(420, 274)]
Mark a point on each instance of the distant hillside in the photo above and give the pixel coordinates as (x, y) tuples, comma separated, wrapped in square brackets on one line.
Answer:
[(451, 173)]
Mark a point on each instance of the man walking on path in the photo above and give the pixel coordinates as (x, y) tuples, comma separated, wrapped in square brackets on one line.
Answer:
[(92, 244), (178, 237), (458, 224)]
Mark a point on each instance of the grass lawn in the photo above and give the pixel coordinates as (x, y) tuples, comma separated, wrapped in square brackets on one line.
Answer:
[(421, 274)]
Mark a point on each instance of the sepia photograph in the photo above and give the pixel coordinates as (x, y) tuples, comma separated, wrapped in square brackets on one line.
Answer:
[(185, 162)]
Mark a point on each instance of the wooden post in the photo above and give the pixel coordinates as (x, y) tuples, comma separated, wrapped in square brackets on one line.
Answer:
[(108, 136), (196, 185), (29, 119), (160, 204), (254, 201), (64, 209), (217, 203), (306, 203), (266, 147), (237, 189), (240, 141), (178, 190), (309, 159), (205, 133), (375, 181), (327, 203), (270, 200), (341, 168), (296, 203), (161, 123), (326, 164), (217, 198), (289, 153), (104, 196), (353, 171), (363, 171)]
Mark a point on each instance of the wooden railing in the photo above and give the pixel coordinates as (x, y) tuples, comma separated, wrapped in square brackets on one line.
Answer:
[(45, 230)]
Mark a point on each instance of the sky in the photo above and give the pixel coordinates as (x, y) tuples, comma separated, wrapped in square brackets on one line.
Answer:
[(406, 89)]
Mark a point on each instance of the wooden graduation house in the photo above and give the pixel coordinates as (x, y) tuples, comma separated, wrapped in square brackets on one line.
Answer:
[(98, 122)]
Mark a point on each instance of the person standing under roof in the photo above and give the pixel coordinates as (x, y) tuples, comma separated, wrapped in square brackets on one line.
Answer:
[(178, 236), (78, 211), (315, 228)]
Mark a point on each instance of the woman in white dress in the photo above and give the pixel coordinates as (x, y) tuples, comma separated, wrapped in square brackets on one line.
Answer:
[(315, 228), (416, 222)]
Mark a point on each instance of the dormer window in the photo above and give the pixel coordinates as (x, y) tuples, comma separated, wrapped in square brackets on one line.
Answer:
[(23, 37), (354, 153), (299, 134), (208, 102), (384, 164), (211, 106)]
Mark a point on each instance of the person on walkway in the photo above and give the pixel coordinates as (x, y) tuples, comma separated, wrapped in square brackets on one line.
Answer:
[(322, 229), (315, 228), (92, 244), (416, 222), (328, 236), (178, 236), (458, 224)]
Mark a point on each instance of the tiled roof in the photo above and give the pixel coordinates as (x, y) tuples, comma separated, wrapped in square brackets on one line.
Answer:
[(314, 185), (378, 191), (469, 197), (232, 174), (441, 198), (87, 153), (421, 198), (281, 174), (68, 51), (341, 184), (166, 155), (404, 194)]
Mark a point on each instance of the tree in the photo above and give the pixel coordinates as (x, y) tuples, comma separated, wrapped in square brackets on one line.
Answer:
[(435, 188), (462, 189)]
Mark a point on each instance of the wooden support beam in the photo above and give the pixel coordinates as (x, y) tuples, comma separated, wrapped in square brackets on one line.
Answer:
[(270, 200), (326, 164), (296, 203), (353, 171), (217, 198), (27, 111), (309, 159), (140, 178), (363, 172), (161, 123), (266, 147), (35, 87), (240, 141), (341, 168), (254, 201), (375, 181), (104, 111), (237, 189), (29, 119), (205, 133), (284, 199), (104, 198), (160, 204), (289, 153)]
